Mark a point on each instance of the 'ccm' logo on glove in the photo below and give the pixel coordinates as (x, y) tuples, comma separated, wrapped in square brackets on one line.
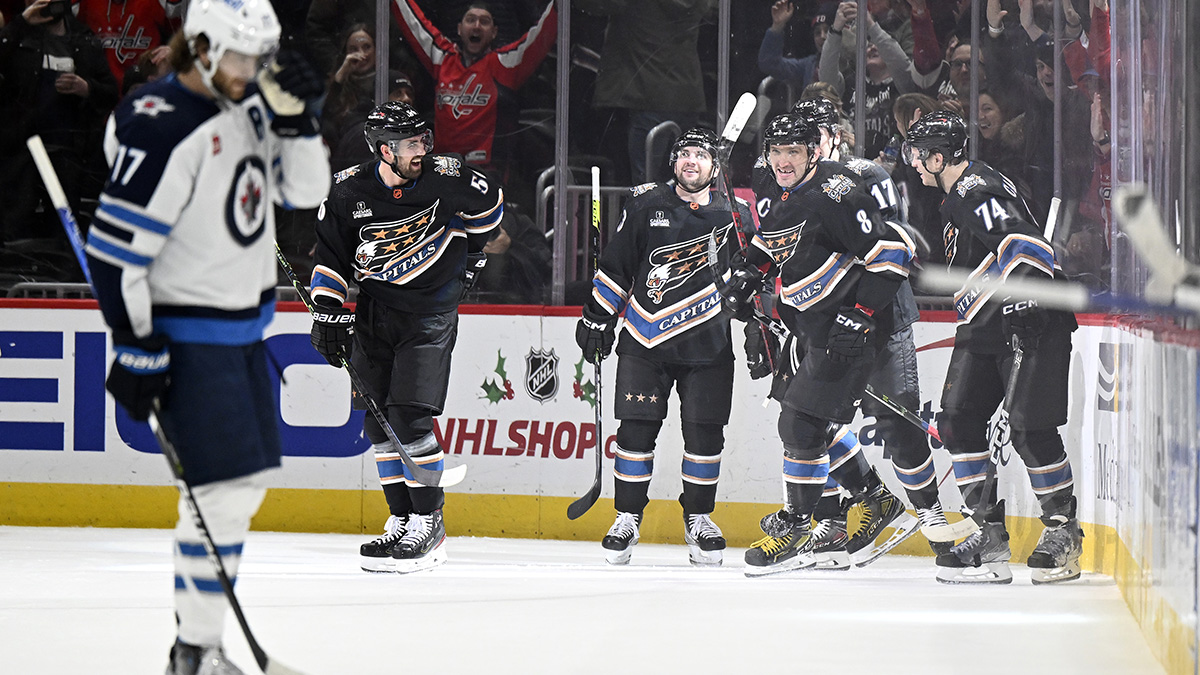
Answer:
[(856, 326), (1019, 306)]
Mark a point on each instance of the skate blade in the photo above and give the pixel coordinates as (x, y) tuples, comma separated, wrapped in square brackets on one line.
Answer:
[(801, 562), (988, 573), (832, 560), (619, 557), (906, 525), (432, 559), (701, 558), (377, 565), (1055, 575)]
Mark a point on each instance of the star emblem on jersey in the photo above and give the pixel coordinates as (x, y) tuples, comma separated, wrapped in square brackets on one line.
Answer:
[(674, 264), (837, 186), (152, 106), (782, 244), (446, 166), (398, 250)]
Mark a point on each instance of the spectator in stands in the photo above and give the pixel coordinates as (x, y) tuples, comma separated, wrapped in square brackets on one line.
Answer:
[(129, 28), (327, 24), (650, 67), (474, 83), (55, 82), (347, 147), (798, 72), (519, 264), (888, 75), (351, 86)]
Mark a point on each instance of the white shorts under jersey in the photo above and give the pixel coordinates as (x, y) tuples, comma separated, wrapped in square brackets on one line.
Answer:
[(183, 239)]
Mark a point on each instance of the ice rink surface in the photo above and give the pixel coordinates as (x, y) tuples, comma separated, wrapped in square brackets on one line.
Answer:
[(99, 601)]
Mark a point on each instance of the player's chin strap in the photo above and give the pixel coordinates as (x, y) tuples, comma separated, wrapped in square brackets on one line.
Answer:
[(712, 178)]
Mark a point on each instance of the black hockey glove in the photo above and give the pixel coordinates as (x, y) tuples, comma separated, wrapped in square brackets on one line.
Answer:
[(333, 332), (595, 334), (291, 87), (475, 264), (852, 330), (737, 295), (140, 373), (1024, 320), (762, 350)]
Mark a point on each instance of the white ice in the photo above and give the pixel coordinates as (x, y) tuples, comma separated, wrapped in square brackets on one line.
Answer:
[(97, 601)]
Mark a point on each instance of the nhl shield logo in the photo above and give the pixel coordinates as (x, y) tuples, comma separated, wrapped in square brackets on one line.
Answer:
[(541, 374)]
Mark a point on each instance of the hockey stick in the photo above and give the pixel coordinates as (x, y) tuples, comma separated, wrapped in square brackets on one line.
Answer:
[(1141, 221), (580, 506), (67, 217), (427, 477)]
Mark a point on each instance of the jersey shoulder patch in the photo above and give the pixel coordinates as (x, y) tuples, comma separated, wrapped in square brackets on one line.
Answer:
[(447, 165), (859, 165), (968, 183), (643, 188), (838, 186), (160, 115), (346, 173)]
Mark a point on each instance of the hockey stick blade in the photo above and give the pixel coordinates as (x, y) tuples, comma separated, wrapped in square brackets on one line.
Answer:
[(1140, 220), (738, 118), (952, 531), (429, 478)]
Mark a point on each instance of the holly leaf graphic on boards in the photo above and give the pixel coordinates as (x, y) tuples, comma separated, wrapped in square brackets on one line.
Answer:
[(492, 392), (583, 390)]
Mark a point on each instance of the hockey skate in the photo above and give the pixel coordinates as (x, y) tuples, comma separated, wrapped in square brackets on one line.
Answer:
[(942, 550), (621, 538), (829, 544), (790, 550), (376, 555), (881, 509), (421, 547), (188, 659), (1056, 557), (982, 558), (704, 539)]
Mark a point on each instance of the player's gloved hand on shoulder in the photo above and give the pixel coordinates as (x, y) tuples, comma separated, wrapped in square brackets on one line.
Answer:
[(140, 373), (762, 350), (333, 331), (1024, 320), (292, 88), (595, 334), (737, 295), (849, 336), (475, 264)]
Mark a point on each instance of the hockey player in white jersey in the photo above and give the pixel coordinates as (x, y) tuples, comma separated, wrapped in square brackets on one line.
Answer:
[(182, 258)]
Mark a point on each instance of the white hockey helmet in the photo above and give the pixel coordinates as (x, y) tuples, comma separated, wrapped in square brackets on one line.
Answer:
[(248, 27)]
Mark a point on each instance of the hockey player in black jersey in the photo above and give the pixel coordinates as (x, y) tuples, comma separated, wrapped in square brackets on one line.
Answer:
[(990, 233), (408, 228), (655, 272), (895, 374), (840, 266)]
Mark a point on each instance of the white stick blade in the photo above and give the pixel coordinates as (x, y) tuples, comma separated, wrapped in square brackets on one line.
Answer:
[(950, 532), (595, 183), (42, 159), (738, 118), (453, 476)]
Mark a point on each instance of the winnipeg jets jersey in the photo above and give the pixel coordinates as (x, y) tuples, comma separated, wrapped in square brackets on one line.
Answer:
[(405, 247), (990, 232), (656, 271), (830, 245), (183, 242)]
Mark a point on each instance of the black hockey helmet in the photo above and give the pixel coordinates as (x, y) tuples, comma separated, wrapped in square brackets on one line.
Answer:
[(696, 137), (790, 129), (821, 112), (394, 121), (939, 131)]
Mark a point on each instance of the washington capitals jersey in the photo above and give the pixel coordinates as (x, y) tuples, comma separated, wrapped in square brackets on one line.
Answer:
[(405, 247), (183, 242), (656, 271), (990, 232), (829, 243)]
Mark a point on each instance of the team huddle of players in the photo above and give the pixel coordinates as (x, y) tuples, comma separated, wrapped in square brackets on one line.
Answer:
[(823, 288)]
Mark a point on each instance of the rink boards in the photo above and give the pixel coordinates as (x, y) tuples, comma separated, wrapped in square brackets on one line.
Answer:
[(520, 416)]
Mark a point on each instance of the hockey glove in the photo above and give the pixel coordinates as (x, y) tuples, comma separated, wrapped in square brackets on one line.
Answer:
[(475, 264), (291, 87), (848, 338), (595, 334), (140, 373), (1024, 320), (737, 295), (333, 332), (762, 350)]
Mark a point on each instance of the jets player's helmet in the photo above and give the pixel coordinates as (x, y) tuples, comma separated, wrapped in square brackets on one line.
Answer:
[(392, 122), (939, 131), (696, 137), (248, 27), (790, 129), (821, 112)]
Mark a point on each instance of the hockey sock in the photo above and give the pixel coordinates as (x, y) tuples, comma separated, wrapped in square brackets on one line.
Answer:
[(391, 478), (919, 482), (804, 474), (702, 445), (829, 506), (631, 480), (227, 506), (427, 454), (1048, 467)]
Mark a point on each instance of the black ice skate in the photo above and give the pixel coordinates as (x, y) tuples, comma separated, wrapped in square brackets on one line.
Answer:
[(829, 544), (376, 555), (704, 539), (942, 550), (621, 538), (188, 659), (983, 556), (881, 509), (421, 547), (790, 550), (1056, 556)]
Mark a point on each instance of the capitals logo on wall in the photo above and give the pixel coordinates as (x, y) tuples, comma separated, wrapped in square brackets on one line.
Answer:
[(541, 374)]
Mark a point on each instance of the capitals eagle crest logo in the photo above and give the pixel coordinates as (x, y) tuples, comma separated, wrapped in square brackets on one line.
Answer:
[(398, 242), (672, 265)]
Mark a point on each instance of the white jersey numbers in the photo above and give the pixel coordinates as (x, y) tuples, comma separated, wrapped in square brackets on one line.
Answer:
[(991, 211), (864, 221), (135, 157), (885, 194)]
